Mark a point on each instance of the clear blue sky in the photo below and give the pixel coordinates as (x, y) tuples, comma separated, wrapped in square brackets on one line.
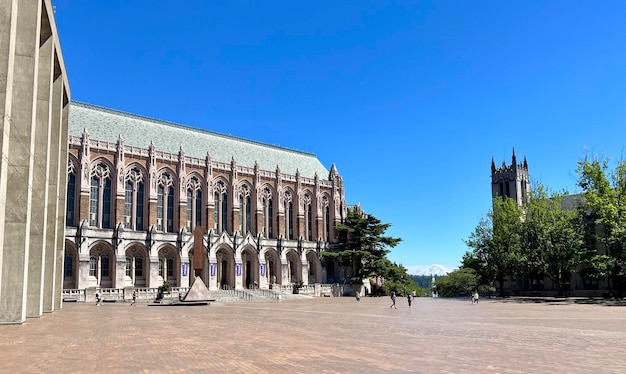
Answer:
[(411, 100)]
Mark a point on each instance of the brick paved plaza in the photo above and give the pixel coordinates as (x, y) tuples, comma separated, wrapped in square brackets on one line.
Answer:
[(323, 335)]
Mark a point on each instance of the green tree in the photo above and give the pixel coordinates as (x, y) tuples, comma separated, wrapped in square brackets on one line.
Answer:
[(459, 282), (363, 246), (604, 192), (484, 274), (496, 241), (552, 240), (423, 281), (399, 281)]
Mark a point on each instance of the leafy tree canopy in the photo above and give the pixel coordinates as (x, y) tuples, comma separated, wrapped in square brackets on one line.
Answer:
[(496, 242), (604, 192)]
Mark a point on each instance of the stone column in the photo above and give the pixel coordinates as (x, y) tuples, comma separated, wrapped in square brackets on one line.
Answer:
[(55, 168), (304, 271), (61, 109), (238, 273), (22, 38), (41, 259), (263, 271)]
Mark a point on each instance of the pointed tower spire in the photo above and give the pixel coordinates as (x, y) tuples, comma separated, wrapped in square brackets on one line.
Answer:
[(513, 159)]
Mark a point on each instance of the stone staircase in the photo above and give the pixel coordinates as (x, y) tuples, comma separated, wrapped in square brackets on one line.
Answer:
[(229, 296)]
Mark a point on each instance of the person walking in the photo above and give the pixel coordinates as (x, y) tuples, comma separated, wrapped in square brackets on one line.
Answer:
[(476, 297), (98, 298), (393, 300), (358, 296), (134, 298), (408, 299)]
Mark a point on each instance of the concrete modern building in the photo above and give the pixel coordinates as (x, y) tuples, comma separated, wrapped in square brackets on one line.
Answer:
[(140, 188), (34, 97)]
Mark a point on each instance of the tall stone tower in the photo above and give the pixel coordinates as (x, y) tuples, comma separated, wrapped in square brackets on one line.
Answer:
[(510, 180)]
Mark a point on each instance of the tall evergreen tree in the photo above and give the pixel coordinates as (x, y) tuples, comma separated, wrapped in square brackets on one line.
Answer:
[(363, 245)]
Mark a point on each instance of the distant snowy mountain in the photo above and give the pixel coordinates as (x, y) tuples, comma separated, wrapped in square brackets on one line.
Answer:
[(434, 269)]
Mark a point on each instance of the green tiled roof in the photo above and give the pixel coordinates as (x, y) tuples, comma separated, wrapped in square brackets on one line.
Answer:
[(107, 125)]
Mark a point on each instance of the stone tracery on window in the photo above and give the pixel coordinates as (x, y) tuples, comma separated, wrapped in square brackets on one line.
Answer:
[(325, 209), (220, 199), (194, 203), (100, 197), (165, 202), (289, 216), (308, 216), (267, 212), (245, 209), (134, 199)]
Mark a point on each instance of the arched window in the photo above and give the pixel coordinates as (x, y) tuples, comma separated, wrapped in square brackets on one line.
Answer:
[(167, 265), (134, 200), (165, 203), (70, 213), (194, 203), (100, 266), (129, 266), (268, 213), (308, 217), (245, 222), (288, 207), (326, 217), (100, 197), (221, 207), (68, 267), (93, 262), (135, 266)]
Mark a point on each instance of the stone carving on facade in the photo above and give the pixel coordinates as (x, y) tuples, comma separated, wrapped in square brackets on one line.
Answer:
[(118, 237), (81, 233), (233, 172), (152, 237)]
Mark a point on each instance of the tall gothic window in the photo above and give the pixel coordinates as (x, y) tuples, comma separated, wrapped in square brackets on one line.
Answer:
[(100, 197), (221, 207), (194, 203), (134, 200), (288, 207), (308, 217), (245, 221), (70, 213), (326, 217), (165, 203), (268, 216)]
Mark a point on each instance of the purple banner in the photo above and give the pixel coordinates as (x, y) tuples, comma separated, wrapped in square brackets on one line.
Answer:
[(185, 269), (213, 269), (238, 270), (262, 270)]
